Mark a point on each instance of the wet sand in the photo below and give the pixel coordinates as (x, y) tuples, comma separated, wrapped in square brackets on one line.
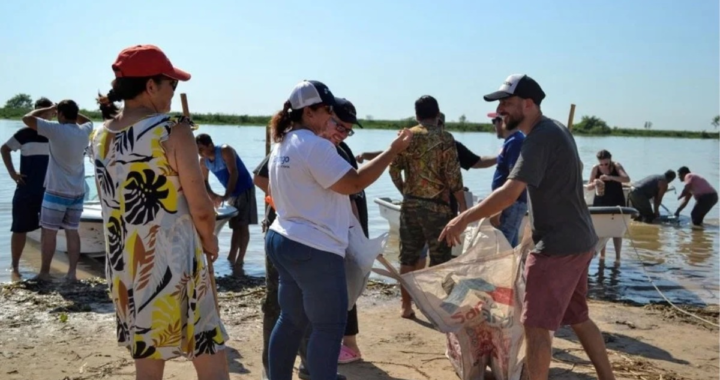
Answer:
[(60, 331)]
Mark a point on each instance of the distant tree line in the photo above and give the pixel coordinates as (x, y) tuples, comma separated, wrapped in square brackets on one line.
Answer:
[(20, 104)]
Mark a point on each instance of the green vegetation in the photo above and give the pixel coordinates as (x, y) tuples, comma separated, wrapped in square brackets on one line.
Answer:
[(21, 104)]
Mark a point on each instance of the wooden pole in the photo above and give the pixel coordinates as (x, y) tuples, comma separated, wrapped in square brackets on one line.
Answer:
[(186, 113), (267, 139), (571, 117)]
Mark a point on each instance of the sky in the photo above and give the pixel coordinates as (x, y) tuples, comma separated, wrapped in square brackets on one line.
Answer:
[(626, 62)]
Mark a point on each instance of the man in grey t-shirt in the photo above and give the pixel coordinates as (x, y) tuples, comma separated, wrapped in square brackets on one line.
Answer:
[(556, 271), (62, 203)]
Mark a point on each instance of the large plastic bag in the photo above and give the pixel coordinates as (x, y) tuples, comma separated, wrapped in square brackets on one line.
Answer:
[(476, 299), (359, 258)]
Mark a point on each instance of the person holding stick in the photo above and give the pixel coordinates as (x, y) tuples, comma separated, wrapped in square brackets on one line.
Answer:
[(159, 221)]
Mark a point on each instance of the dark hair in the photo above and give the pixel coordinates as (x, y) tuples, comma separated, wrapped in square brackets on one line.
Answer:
[(69, 109), (203, 139), (124, 88), (683, 170), (426, 108), (282, 121), (604, 155), (669, 175), (43, 102)]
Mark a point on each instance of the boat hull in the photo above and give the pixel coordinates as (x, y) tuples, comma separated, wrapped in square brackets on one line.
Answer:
[(92, 238), (609, 222)]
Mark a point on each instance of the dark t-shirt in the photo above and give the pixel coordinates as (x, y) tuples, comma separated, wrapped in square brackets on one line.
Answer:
[(467, 158), (550, 166), (262, 171), (34, 157), (360, 199)]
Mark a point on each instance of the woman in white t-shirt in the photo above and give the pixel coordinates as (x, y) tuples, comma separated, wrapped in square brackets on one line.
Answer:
[(309, 185)]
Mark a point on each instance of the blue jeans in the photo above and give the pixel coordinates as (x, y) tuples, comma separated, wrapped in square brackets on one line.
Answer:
[(511, 220), (312, 290)]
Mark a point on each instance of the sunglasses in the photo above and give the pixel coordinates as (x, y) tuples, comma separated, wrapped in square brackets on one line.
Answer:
[(173, 83), (340, 128)]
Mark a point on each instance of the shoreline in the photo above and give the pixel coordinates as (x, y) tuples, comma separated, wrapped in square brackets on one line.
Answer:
[(60, 323), (259, 121)]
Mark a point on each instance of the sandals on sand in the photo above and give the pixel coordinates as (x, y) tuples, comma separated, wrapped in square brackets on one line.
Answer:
[(347, 355)]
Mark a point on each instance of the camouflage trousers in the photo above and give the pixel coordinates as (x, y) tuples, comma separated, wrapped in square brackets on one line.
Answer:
[(421, 222)]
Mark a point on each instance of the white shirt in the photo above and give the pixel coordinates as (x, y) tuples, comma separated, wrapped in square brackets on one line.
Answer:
[(66, 167), (302, 169)]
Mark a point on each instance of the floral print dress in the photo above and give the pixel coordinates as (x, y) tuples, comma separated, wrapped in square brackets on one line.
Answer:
[(155, 266)]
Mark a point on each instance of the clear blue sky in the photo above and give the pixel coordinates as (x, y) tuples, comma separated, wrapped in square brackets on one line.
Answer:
[(625, 61)]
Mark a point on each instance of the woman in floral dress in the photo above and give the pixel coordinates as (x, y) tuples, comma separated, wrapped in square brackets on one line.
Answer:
[(159, 221)]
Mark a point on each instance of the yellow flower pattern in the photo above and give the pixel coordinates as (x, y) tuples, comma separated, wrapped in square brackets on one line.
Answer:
[(155, 267)]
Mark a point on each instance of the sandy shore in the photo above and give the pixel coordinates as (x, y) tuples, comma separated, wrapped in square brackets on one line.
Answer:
[(61, 331)]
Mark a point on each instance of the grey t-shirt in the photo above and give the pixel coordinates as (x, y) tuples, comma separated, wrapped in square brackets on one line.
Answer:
[(66, 168), (550, 166)]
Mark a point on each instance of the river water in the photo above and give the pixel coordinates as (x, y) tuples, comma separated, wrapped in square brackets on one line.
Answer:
[(682, 261)]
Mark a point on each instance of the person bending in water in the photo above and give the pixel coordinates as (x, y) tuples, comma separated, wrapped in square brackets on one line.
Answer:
[(705, 195), (652, 187)]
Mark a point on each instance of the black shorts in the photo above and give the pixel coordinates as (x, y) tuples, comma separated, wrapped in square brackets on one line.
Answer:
[(246, 205), (26, 212)]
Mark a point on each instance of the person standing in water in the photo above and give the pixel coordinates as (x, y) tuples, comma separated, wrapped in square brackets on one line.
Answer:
[(30, 180), (609, 176), (224, 162), (64, 197), (706, 197)]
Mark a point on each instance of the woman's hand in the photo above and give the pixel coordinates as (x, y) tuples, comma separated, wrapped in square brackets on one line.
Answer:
[(606, 178), (402, 141), (210, 248)]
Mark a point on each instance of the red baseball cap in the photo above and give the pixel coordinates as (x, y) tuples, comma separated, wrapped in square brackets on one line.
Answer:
[(146, 61)]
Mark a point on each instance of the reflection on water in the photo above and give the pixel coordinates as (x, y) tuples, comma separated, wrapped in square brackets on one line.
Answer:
[(682, 260)]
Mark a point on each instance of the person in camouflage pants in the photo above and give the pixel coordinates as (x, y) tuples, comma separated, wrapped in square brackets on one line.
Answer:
[(432, 176)]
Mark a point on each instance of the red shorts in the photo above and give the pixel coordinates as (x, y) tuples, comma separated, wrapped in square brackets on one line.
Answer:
[(555, 290)]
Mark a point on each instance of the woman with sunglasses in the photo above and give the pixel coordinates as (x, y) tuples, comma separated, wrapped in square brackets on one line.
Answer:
[(158, 221), (607, 178), (310, 184)]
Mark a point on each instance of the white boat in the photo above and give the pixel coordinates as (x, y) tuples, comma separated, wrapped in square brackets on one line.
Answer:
[(609, 222), (92, 239), (390, 211), (589, 194)]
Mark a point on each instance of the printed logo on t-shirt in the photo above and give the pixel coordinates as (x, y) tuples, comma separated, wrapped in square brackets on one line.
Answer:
[(283, 161)]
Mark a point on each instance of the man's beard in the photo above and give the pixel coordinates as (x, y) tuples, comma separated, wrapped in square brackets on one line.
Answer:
[(511, 123)]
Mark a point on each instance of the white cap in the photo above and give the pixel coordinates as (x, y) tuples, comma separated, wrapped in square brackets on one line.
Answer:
[(310, 92)]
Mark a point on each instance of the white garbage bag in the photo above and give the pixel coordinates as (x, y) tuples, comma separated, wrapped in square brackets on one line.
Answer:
[(359, 258), (476, 299)]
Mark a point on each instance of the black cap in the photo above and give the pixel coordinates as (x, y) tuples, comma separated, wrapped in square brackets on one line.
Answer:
[(519, 85), (346, 111)]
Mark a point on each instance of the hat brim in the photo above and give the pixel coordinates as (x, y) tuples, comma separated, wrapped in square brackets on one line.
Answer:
[(497, 95), (178, 74)]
